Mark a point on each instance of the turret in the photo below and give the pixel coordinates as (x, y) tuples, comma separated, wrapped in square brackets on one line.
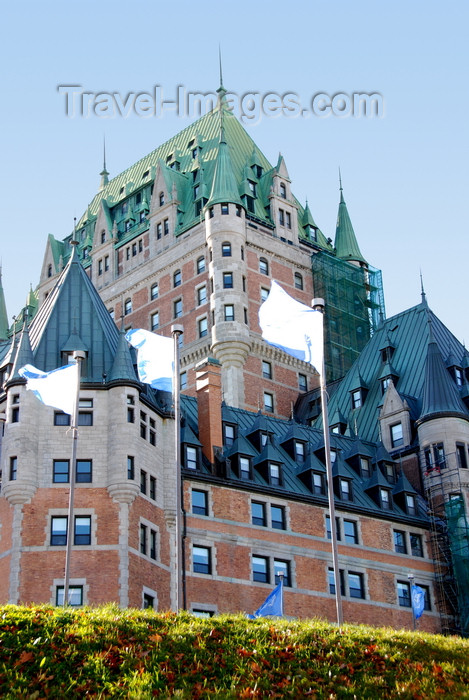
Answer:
[(346, 245)]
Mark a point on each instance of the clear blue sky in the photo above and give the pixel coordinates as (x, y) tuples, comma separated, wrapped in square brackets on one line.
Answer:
[(405, 175)]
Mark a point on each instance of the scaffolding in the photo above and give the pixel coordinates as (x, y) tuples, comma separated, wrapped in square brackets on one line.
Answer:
[(450, 541), (354, 309)]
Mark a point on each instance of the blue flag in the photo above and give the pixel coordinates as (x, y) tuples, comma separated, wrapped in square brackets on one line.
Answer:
[(293, 327), (57, 388), (154, 358), (418, 600), (272, 605)]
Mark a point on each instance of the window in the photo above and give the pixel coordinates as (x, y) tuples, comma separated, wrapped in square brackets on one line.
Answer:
[(403, 594), (416, 546), (82, 533), (159, 230), (258, 513), (337, 528), (345, 489), (332, 581), (60, 471), (130, 467), (202, 326), (400, 544), (263, 266), (201, 295), (13, 468), (277, 514), (177, 279), (299, 451), (106, 263), (439, 452), (227, 280), (148, 601), (264, 294), (461, 455), (191, 457), (229, 312), (161, 198), (49, 270), (84, 471), (202, 613), (183, 380), (268, 402), (397, 436), (154, 291), (410, 502), (226, 250), (100, 267), (153, 540), (318, 484), (143, 539), (166, 227), (288, 219), (143, 481), (355, 585), (229, 434), (225, 209), (130, 410), (152, 488), (260, 569), (155, 321), (15, 411), (200, 265), (356, 398), (202, 560), (350, 531), (458, 375), (385, 384), (266, 369), (128, 306), (244, 468), (199, 502), (283, 190), (58, 530), (282, 567), (281, 217), (302, 382), (75, 596), (365, 467), (177, 308), (274, 474), (385, 499)]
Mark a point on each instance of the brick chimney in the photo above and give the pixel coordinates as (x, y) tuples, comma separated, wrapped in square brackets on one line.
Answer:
[(209, 398)]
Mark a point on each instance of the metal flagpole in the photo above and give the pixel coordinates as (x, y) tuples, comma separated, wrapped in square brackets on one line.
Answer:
[(318, 305), (411, 582), (177, 330), (78, 356)]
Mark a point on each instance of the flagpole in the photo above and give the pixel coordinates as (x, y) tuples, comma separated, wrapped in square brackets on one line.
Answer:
[(179, 574), (411, 582), (318, 305), (78, 356)]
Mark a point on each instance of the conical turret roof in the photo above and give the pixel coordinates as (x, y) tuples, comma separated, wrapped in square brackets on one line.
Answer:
[(346, 244), (440, 395)]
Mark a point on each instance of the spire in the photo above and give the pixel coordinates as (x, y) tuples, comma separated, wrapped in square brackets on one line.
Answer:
[(346, 245), (440, 395), (24, 354), (224, 186), (104, 173), (122, 366), (3, 312), (221, 89), (422, 290)]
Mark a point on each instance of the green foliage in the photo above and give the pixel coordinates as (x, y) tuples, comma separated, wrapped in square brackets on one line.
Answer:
[(107, 652)]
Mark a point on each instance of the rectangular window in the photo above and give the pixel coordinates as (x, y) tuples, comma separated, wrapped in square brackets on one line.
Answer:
[(281, 217), (148, 601), (82, 533), (154, 291), (159, 230), (75, 596), (356, 398), (84, 471), (229, 312), (177, 308), (411, 506), (365, 467), (400, 544), (152, 544), (152, 492), (166, 227), (61, 418), (260, 569), (461, 454), (183, 380), (227, 280), (282, 567), (244, 468), (155, 321), (202, 560), (318, 484), (106, 263), (226, 250), (60, 471), (277, 514), (191, 457), (302, 382), (203, 327), (58, 530), (274, 474), (332, 581), (225, 209), (266, 370), (130, 467), (199, 502), (85, 418), (397, 436), (337, 528), (258, 513), (143, 539), (439, 452), (201, 295), (416, 546), (355, 585), (350, 531), (143, 481), (299, 451), (403, 594), (385, 499), (13, 468), (288, 219), (345, 490), (229, 434), (264, 294), (268, 402), (152, 432)]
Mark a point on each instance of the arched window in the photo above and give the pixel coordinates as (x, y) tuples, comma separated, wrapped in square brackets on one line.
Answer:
[(263, 266), (128, 306), (177, 278), (298, 281), (200, 265)]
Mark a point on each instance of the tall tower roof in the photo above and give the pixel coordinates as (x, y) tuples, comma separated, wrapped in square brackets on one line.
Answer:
[(3, 312), (224, 185), (346, 245)]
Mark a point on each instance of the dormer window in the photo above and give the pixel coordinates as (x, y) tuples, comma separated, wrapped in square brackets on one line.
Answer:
[(252, 187), (299, 451), (244, 468), (410, 504), (357, 398), (397, 435), (364, 467), (274, 474), (283, 190), (385, 499), (385, 384), (190, 457), (229, 434), (318, 484), (49, 270), (345, 489), (458, 376), (390, 472)]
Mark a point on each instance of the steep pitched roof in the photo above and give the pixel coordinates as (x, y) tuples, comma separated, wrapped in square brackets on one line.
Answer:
[(346, 245), (440, 395), (3, 312)]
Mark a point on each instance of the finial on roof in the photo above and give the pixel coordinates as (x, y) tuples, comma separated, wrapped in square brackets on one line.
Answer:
[(104, 173), (221, 89), (340, 186), (422, 290)]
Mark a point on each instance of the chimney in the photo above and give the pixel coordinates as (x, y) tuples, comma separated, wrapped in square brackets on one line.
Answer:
[(209, 398)]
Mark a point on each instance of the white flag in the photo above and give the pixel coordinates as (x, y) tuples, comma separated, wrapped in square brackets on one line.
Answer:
[(154, 358), (57, 388), (294, 327)]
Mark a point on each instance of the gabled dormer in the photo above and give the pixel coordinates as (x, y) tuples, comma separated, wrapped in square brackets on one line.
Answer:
[(405, 496), (394, 418), (313, 474), (359, 456), (240, 456), (269, 463), (385, 463), (338, 423), (191, 449), (387, 375), (455, 369), (295, 442), (260, 432), (359, 389), (342, 478), (380, 490)]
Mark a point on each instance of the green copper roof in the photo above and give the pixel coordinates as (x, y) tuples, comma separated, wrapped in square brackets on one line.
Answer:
[(24, 354), (123, 367), (224, 186), (3, 312), (346, 245), (440, 394)]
